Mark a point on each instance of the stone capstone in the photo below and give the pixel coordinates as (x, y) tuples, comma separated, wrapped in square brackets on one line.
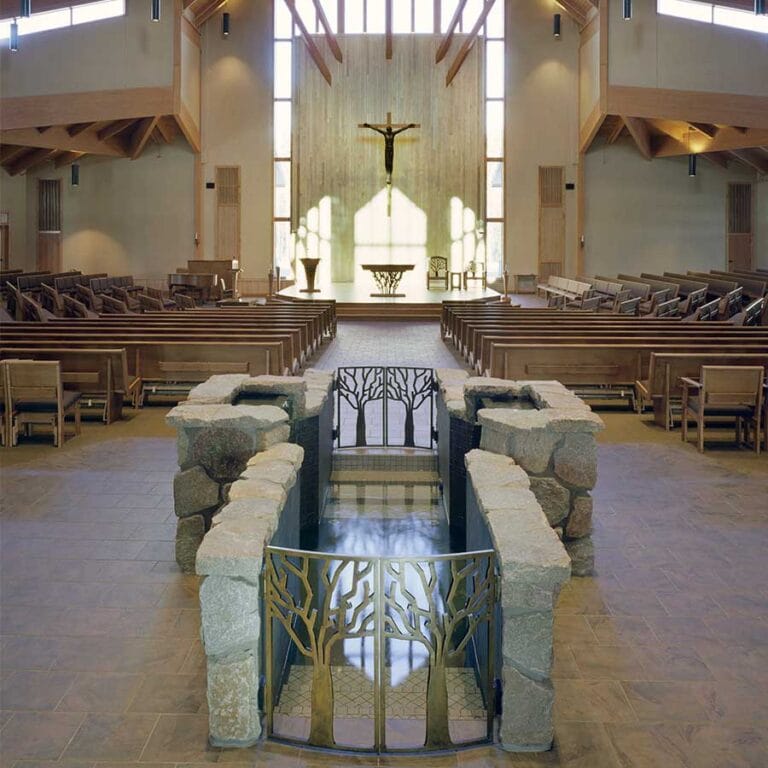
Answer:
[(523, 435), (478, 387), (233, 701), (194, 491), (230, 613), (526, 723), (554, 499), (318, 390), (222, 388), (580, 520), (575, 461), (293, 387), (189, 534)]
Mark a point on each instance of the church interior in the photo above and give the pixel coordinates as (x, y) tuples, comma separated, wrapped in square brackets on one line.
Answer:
[(383, 383)]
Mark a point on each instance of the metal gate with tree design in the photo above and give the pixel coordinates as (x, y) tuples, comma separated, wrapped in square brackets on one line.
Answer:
[(442, 604), (385, 406)]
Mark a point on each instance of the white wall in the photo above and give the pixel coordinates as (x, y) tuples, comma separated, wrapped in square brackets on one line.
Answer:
[(237, 125), (650, 215), (124, 52), (127, 216), (657, 51), (542, 123), (13, 192)]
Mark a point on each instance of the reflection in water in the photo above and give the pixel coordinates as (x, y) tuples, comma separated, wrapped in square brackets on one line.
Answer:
[(392, 520)]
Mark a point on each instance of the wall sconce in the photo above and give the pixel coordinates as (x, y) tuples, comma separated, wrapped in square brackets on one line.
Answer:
[(13, 39), (627, 8), (25, 8), (691, 165), (154, 14), (556, 20), (225, 23), (760, 7), (75, 175)]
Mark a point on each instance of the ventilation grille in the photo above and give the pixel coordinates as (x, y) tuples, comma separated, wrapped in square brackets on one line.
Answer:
[(228, 185), (739, 209), (551, 186), (49, 205)]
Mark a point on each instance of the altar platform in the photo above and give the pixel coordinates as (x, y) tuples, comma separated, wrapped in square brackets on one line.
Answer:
[(354, 299)]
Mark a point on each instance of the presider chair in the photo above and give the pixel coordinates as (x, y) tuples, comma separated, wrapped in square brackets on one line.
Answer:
[(732, 391), (437, 269)]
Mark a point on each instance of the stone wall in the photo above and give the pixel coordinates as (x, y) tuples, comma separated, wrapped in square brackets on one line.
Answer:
[(533, 565), (230, 557), (217, 435), (552, 437)]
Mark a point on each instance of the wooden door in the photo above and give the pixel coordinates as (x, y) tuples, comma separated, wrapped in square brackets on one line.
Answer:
[(227, 212), (49, 256), (551, 221), (739, 234)]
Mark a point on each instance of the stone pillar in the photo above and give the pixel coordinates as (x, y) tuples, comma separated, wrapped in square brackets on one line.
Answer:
[(230, 557), (533, 566)]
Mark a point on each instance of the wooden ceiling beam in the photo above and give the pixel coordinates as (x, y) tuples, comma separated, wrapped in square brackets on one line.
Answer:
[(108, 131), (11, 152), (468, 43), (638, 130), (678, 143), (576, 10), (77, 128), (709, 130), (58, 138), (388, 29), (616, 132), (445, 43), (314, 51), (330, 37), (140, 136), (31, 160), (719, 159), (67, 158), (202, 10), (168, 128), (753, 158)]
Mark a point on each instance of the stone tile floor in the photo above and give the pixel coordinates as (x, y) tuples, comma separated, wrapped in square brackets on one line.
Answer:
[(661, 659)]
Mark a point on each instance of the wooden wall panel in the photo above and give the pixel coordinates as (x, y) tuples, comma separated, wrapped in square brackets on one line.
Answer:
[(551, 221), (227, 212), (442, 159)]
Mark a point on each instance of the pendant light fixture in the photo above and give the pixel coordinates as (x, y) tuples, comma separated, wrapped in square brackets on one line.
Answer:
[(556, 23), (225, 23), (75, 175), (691, 165), (25, 8), (155, 10), (760, 7), (13, 39), (627, 8)]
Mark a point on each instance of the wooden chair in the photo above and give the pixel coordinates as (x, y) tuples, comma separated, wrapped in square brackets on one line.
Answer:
[(158, 295), (124, 295), (184, 302), (51, 300), (36, 396), (437, 269), (89, 298), (75, 308), (149, 303), (724, 390), (114, 306)]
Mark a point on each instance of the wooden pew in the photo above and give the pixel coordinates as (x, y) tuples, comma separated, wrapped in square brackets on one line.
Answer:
[(662, 388), (101, 375), (752, 287)]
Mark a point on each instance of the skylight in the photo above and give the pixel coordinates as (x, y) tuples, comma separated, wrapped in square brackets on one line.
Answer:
[(711, 13), (64, 17)]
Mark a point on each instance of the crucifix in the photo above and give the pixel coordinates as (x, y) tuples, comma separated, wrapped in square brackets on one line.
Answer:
[(389, 131)]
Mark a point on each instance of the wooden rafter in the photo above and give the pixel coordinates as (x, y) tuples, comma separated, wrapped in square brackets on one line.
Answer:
[(616, 131), (468, 43), (752, 157), (679, 141), (333, 43), (314, 51), (576, 9), (445, 43), (638, 130), (108, 131), (388, 28), (11, 152), (58, 138), (67, 158), (202, 10), (167, 128), (31, 160), (709, 130), (140, 136), (719, 159), (77, 128)]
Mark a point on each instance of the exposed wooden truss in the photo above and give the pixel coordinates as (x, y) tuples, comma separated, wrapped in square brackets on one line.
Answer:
[(445, 43), (314, 51), (202, 10), (638, 130), (579, 10), (466, 46), (25, 149), (333, 43)]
